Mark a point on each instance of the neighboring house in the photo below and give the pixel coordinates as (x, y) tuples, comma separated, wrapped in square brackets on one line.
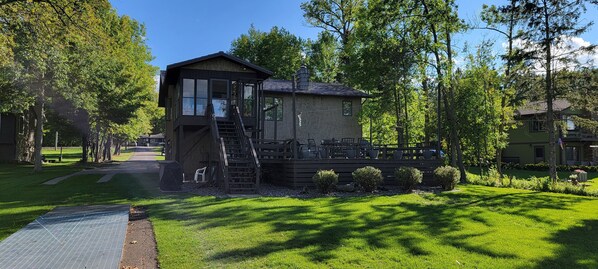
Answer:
[(152, 140), (528, 143), (221, 111), (8, 137)]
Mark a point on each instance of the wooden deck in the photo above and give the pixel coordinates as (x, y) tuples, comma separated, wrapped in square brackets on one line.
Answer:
[(298, 173)]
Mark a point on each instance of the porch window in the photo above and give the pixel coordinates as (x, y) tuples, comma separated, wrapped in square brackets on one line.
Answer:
[(347, 108), (271, 101), (201, 97), (248, 96), (570, 124), (220, 97), (188, 97)]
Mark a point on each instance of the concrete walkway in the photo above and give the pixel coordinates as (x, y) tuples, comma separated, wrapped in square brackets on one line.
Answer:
[(69, 237), (143, 161)]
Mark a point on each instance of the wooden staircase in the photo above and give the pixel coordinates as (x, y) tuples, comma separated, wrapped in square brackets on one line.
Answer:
[(242, 174)]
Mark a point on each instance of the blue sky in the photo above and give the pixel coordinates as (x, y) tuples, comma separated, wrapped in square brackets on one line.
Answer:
[(178, 30)]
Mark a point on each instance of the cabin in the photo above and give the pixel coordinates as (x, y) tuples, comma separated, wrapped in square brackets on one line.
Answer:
[(8, 137), (151, 140), (228, 115), (528, 143)]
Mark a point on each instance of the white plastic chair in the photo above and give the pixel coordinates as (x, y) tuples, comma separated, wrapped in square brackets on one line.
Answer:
[(200, 172)]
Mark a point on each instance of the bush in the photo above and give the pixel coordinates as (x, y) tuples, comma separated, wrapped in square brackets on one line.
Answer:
[(447, 177), (368, 178), (408, 177), (325, 180)]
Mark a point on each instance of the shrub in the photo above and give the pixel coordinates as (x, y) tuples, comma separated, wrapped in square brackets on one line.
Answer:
[(325, 180), (368, 178), (408, 177), (447, 177)]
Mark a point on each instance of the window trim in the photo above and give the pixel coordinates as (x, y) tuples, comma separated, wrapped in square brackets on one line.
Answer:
[(540, 122), (343, 108)]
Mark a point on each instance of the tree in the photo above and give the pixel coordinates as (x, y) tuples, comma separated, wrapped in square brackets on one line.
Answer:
[(323, 58), (547, 24), (337, 17), (278, 50)]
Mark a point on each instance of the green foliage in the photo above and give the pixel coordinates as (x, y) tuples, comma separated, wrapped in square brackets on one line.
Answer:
[(534, 183), (447, 177), (369, 178), (277, 50), (408, 177), (325, 180), (323, 58)]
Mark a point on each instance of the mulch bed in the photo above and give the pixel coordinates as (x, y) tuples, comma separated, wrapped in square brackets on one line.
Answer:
[(140, 243)]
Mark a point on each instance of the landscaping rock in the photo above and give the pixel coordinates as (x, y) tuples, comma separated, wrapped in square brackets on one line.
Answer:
[(346, 188)]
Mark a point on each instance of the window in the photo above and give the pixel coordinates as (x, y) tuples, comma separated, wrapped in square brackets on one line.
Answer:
[(347, 108), (271, 101), (571, 154), (220, 97), (539, 154), (538, 125), (570, 124), (248, 91), (201, 97), (188, 96)]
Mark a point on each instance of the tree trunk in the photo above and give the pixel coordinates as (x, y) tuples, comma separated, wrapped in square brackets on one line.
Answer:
[(549, 98), (85, 148), (26, 137), (39, 128)]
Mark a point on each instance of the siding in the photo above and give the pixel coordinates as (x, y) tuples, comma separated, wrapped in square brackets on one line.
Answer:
[(321, 118)]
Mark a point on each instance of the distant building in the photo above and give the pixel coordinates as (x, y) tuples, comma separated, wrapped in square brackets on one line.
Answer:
[(528, 143), (151, 140)]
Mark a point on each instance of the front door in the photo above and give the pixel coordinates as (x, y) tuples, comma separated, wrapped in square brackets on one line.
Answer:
[(220, 97)]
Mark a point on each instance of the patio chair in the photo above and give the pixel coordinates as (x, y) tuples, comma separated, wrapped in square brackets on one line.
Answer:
[(311, 145), (200, 172)]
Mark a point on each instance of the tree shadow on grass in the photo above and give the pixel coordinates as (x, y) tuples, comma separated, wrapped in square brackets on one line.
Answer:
[(578, 247), (321, 226)]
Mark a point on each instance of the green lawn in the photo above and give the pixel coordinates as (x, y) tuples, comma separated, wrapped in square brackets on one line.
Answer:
[(473, 227), (591, 184), (73, 154)]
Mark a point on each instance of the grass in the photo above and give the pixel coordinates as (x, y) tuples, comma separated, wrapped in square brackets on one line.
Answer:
[(591, 184), (473, 227), (73, 154)]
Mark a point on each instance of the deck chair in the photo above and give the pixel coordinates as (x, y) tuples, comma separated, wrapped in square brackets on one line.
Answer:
[(200, 172)]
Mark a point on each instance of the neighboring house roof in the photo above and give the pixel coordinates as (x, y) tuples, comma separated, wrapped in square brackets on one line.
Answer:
[(315, 88), (169, 75), (539, 107)]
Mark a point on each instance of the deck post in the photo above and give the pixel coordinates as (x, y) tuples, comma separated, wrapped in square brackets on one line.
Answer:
[(294, 147)]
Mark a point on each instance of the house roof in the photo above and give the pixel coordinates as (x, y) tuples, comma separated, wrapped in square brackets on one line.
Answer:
[(169, 75), (539, 107), (315, 88)]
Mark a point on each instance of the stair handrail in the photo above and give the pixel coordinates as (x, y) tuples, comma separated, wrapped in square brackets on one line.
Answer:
[(247, 143), (219, 141)]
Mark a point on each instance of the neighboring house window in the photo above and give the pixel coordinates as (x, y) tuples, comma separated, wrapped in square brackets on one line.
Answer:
[(271, 101), (347, 108), (538, 125), (571, 154), (570, 124), (539, 154)]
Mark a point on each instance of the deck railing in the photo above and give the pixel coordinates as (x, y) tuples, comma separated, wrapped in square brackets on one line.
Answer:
[(246, 143), (269, 149), (221, 147)]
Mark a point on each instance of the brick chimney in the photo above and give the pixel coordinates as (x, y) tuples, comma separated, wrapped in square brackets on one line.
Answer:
[(303, 78)]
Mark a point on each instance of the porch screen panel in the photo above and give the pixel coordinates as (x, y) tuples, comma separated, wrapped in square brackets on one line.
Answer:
[(201, 99), (248, 100), (188, 96)]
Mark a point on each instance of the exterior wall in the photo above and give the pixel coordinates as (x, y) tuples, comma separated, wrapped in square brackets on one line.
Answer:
[(8, 124), (196, 150), (321, 118)]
